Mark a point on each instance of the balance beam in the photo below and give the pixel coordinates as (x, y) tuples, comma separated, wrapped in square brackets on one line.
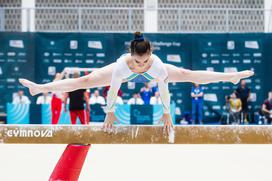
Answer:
[(134, 134)]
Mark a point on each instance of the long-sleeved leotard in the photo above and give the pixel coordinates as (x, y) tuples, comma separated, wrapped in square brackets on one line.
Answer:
[(157, 72)]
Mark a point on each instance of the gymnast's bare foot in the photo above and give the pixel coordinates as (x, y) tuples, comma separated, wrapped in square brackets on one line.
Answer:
[(33, 87), (241, 75)]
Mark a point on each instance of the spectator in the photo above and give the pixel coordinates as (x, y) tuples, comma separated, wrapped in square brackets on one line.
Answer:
[(146, 93), (135, 100), (156, 99), (44, 99), (243, 92), (155, 89), (107, 88), (226, 109), (267, 108), (119, 100), (227, 105), (20, 98), (97, 99), (76, 103), (56, 101), (197, 103), (235, 108)]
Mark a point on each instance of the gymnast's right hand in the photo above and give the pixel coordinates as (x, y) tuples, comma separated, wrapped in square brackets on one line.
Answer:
[(109, 121), (33, 87)]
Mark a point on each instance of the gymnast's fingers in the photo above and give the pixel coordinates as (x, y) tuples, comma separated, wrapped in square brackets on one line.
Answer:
[(110, 125), (164, 128), (105, 126), (161, 120), (168, 129)]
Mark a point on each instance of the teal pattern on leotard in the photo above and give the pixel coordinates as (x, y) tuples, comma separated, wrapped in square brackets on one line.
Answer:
[(140, 78)]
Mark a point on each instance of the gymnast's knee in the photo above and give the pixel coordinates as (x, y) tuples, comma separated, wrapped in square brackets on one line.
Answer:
[(91, 79), (85, 79), (185, 72)]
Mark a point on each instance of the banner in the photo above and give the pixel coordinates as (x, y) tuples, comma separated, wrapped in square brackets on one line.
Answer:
[(16, 60)]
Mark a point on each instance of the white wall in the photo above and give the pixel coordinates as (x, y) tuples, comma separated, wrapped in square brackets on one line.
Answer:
[(143, 162)]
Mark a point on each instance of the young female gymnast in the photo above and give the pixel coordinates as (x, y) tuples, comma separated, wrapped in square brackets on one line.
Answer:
[(140, 65)]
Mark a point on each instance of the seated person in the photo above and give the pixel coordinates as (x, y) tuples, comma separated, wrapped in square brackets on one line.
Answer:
[(45, 98), (97, 99), (119, 100), (267, 108), (235, 108), (156, 99), (135, 100), (20, 98), (107, 88)]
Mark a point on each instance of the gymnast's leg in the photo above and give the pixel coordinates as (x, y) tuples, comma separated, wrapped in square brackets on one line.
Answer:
[(98, 78), (176, 74)]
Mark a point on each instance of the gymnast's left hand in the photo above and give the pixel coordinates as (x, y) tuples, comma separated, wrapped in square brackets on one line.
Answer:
[(109, 121), (168, 124)]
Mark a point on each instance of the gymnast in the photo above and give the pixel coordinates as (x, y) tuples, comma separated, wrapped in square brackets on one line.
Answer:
[(139, 65)]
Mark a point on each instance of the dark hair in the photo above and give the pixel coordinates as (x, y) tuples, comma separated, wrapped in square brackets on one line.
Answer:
[(139, 45)]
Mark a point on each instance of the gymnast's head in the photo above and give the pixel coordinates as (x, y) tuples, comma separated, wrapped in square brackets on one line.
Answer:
[(140, 49)]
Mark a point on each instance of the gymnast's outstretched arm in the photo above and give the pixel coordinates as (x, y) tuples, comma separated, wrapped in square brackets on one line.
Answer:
[(176, 74), (98, 78)]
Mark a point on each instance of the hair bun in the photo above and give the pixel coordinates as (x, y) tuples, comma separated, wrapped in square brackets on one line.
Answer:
[(138, 36)]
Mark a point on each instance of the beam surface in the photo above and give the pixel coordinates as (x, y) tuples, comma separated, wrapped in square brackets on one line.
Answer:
[(134, 134)]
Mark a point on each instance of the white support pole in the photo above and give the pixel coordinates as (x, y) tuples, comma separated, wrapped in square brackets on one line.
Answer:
[(151, 16), (28, 15), (2, 19), (268, 16)]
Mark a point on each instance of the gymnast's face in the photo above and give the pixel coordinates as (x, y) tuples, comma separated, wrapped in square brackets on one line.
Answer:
[(141, 61)]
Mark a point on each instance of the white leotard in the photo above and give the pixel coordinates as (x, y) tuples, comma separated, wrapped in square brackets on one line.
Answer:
[(121, 73)]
